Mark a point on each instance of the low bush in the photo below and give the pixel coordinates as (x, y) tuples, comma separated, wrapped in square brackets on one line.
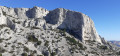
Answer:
[(32, 38), (24, 54), (94, 52), (2, 50), (4, 13), (1, 40), (39, 43), (0, 54), (71, 40), (103, 47), (26, 49), (53, 53), (46, 43)]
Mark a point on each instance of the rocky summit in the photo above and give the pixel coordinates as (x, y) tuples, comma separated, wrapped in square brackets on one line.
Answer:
[(60, 32)]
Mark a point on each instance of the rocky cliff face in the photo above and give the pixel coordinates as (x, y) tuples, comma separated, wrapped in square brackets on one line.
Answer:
[(78, 23), (37, 31)]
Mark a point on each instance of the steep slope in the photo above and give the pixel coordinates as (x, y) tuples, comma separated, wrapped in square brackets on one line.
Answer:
[(61, 32), (77, 23)]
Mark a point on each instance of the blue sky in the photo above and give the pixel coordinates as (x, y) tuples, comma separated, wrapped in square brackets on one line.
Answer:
[(104, 13)]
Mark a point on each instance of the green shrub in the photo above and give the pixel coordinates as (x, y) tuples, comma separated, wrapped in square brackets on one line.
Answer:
[(46, 43), (35, 28), (39, 43), (86, 55), (39, 55), (2, 50), (4, 13), (81, 46), (90, 41), (19, 43), (31, 55), (2, 26), (63, 32), (32, 38), (53, 41), (34, 51), (0, 54), (42, 33), (71, 40), (94, 52), (24, 54), (26, 49), (53, 53), (103, 47), (13, 55), (11, 51), (1, 40)]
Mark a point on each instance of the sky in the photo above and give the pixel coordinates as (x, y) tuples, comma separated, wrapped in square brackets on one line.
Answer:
[(104, 13)]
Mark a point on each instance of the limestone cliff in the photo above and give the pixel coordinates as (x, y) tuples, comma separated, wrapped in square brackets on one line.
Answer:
[(61, 32), (77, 23)]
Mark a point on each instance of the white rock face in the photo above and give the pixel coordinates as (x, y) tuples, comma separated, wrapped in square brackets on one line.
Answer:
[(3, 19), (78, 23), (88, 30), (37, 31)]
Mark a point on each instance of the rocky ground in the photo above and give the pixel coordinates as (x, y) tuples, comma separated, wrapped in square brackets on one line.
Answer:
[(60, 32)]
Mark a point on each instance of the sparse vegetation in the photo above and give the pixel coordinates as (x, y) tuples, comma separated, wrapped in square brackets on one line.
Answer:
[(2, 26), (94, 52), (35, 27), (11, 51), (71, 40), (24, 54), (46, 43), (53, 41), (1, 40), (0, 54), (53, 53), (32, 38), (39, 55), (86, 55), (42, 33), (62, 31), (39, 43), (90, 41), (2, 50), (16, 22), (34, 51), (81, 46), (4, 13), (19, 43), (103, 47), (31, 55), (26, 49)]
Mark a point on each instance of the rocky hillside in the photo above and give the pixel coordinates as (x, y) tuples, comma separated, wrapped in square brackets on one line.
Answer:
[(59, 32)]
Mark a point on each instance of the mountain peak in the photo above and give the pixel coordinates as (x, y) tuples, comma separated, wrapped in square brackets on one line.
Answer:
[(59, 32)]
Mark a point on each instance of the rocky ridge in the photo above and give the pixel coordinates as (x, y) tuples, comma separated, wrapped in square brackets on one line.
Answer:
[(59, 32)]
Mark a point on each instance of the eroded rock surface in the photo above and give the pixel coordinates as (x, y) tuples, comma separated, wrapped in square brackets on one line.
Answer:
[(61, 32)]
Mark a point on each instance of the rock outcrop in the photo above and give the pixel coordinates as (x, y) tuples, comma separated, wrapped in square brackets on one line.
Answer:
[(61, 32), (78, 23)]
